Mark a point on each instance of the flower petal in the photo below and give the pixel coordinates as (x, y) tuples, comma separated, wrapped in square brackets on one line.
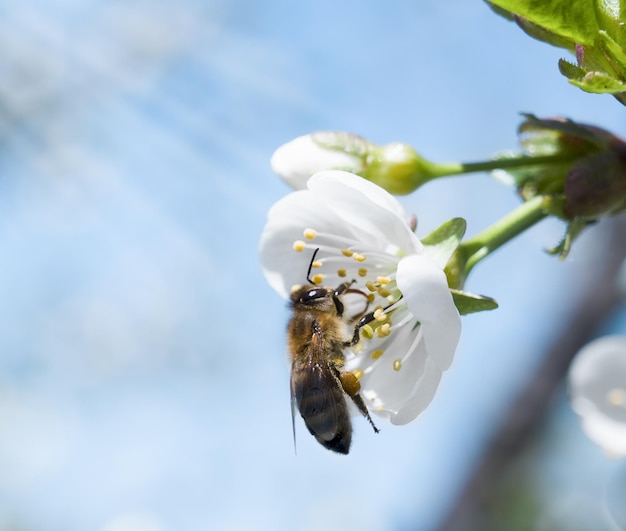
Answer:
[(297, 160), (428, 297), (366, 205)]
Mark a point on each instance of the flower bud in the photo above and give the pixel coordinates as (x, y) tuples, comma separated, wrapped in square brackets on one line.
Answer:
[(395, 167), (296, 161), (587, 177)]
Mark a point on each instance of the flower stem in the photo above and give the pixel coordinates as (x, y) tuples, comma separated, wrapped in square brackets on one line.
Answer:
[(507, 228), (446, 169)]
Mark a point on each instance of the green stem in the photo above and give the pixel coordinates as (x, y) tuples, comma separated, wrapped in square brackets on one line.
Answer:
[(457, 168), (502, 231)]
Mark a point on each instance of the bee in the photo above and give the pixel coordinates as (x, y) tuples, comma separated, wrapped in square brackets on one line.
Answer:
[(317, 339)]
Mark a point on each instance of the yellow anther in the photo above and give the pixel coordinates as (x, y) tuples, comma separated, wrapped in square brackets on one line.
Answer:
[(383, 292), (377, 354), (310, 234), (299, 246), (397, 364), (371, 297), (616, 397), (295, 287), (367, 331), (317, 263), (358, 373), (380, 315), (347, 252), (317, 279), (357, 348), (362, 271), (383, 330), (358, 257), (370, 286), (341, 273), (383, 280)]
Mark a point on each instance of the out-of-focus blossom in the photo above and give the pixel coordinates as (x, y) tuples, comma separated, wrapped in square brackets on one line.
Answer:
[(597, 381)]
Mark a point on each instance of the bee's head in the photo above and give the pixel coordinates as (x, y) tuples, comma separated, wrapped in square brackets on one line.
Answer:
[(311, 296)]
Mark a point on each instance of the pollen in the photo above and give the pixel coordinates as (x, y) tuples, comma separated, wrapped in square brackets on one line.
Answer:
[(616, 397), (317, 279), (383, 280), (383, 330), (380, 315), (358, 257), (377, 353), (383, 292), (358, 373), (367, 332), (341, 273), (299, 246), (370, 285), (310, 234), (397, 364), (371, 298), (362, 271), (347, 252), (317, 263), (357, 348)]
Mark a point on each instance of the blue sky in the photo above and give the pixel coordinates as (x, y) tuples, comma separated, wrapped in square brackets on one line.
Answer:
[(143, 374)]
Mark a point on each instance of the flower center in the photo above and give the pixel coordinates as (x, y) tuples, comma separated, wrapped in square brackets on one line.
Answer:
[(340, 259)]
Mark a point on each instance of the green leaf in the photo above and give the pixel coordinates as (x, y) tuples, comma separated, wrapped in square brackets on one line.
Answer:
[(441, 243), (470, 303), (572, 20), (599, 83)]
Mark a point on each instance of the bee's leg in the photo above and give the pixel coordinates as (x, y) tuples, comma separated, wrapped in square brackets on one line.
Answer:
[(351, 386), (366, 319), (339, 290)]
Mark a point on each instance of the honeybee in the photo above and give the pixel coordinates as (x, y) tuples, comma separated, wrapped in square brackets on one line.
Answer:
[(317, 339)]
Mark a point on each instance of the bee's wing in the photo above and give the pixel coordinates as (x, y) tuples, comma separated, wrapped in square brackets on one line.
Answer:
[(293, 416)]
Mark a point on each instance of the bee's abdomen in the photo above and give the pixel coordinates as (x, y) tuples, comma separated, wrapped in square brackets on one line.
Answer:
[(322, 404)]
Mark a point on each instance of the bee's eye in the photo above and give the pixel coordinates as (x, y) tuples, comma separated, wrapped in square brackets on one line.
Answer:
[(313, 294)]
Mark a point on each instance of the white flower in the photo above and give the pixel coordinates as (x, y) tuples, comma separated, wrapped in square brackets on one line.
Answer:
[(364, 234), (597, 380), (296, 161)]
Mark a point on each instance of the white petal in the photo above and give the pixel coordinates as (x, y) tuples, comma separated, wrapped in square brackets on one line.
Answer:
[(297, 160), (379, 216), (422, 394), (597, 380), (283, 267), (428, 297)]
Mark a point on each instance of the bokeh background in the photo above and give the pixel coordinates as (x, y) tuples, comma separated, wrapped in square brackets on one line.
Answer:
[(143, 375)]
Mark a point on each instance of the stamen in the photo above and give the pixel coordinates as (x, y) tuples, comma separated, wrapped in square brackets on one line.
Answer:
[(362, 272), (371, 298), (383, 292), (317, 279), (383, 280), (380, 315), (367, 331), (616, 397), (310, 234), (383, 330), (370, 286), (377, 353), (317, 263), (347, 252), (358, 373), (341, 273), (397, 364), (358, 257), (299, 246)]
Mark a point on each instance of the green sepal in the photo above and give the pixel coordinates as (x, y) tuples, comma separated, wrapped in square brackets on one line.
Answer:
[(441, 243), (574, 228), (471, 303)]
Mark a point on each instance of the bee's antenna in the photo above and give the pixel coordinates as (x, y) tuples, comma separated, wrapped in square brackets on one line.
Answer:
[(308, 273)]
